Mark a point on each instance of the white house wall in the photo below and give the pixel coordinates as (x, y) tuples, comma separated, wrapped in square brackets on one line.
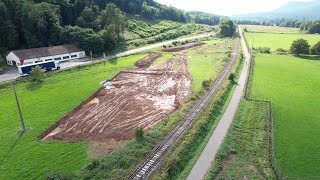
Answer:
[(12, 57)]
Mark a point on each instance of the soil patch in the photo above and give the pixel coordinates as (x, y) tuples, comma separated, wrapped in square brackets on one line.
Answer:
[(147, 61), (183, 47), (140, 97)]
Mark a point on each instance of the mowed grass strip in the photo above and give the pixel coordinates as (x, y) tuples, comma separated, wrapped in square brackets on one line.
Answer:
[(244, 153), (270, 29), (43, 105), (276, 40), (292, 84)]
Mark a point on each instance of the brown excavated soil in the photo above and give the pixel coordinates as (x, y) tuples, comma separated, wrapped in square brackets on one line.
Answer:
[(183, 47), (147, 61), (139, 98)]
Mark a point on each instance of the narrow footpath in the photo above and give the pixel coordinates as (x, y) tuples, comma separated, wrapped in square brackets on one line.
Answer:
[(206, 159)]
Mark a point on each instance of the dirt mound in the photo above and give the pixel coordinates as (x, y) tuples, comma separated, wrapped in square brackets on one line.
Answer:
[(183, 47), (147, 61), (137, 98)]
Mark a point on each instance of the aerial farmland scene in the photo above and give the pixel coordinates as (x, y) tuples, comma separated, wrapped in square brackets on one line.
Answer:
[(159, 89)]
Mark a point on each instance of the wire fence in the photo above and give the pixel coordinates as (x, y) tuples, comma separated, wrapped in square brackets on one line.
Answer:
[(271, 135)]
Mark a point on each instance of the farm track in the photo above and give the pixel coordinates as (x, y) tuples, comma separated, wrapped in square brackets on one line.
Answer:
[(145, 169)]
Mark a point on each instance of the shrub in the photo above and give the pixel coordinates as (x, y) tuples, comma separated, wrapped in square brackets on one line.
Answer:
[(281, 51), (232, 77), (37, 74), (245, 30), (315, 50), (300, 46), (139, 134), (264, 50), (206, 84)]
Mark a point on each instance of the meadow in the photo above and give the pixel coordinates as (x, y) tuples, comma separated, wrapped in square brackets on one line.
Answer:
[(276, 40), (26, 155), (244, 152), (270, 29), (292, 84)]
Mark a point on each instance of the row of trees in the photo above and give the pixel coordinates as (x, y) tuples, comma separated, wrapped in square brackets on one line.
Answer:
[(310, 27), (301, 46)]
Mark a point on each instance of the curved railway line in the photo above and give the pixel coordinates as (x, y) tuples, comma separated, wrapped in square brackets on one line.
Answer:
[(145, 169)]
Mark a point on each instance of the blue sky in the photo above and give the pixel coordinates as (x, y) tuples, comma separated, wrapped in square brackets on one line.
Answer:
[(227, 7)]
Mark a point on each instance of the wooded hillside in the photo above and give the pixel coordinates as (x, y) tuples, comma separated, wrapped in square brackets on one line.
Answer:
[(94, 25)]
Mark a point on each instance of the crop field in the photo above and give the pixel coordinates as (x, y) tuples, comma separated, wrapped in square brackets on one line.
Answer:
[(276, 40), (292, 84), (270, 29), (43, 104), (244, 153)]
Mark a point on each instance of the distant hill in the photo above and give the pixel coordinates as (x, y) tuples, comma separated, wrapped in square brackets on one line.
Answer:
[(292, 10)]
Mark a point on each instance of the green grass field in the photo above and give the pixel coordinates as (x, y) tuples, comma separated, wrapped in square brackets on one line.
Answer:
[(244, 152), (270, 29), (292, 84), (26, 156), (276, 40), (205, 63)]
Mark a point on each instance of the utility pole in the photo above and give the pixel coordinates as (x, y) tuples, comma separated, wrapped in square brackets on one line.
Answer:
[(19, 109), (91, 54), (252, 47), (225, 46)]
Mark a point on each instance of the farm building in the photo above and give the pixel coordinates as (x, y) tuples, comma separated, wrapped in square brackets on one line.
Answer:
[(37, 55)]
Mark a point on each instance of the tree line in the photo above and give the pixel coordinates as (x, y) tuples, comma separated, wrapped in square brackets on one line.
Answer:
[(94, 25), (310, 27)]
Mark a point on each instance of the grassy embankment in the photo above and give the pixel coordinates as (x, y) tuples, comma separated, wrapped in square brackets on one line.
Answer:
[(140, 33), (244, 153), (181, 159), (43, 104)]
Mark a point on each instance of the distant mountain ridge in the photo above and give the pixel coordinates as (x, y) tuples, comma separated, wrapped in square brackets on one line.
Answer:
[(292, 10)]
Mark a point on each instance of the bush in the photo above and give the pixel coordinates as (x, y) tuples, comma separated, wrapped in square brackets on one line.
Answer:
[(37, 74), (139, 134), (315, 50), (281, 51), (300, 46), (232, 77), (263, 50), (206, 84)]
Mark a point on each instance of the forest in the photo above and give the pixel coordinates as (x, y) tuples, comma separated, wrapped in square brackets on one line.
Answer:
[(94, 25)]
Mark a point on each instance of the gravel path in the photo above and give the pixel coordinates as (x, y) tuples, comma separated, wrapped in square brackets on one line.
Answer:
[(14, 74), (206, 159)]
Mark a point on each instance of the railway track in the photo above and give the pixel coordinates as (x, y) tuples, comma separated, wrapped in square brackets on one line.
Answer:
[(152, 161)]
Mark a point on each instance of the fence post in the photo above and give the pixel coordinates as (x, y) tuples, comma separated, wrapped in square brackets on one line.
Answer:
[(19, 109)]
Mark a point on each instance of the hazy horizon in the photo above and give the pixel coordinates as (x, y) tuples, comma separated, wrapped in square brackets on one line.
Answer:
[(228, 7)]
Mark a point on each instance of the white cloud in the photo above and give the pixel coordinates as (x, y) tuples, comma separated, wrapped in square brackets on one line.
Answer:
[(227, 7)]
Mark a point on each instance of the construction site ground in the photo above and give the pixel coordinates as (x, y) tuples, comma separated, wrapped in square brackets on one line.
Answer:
[(139, 97)]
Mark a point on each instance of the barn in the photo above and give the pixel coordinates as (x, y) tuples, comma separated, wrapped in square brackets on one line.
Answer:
[(38, 55)]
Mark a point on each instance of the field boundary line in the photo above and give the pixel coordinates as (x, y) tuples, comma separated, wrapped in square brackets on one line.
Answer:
[(273, 161)]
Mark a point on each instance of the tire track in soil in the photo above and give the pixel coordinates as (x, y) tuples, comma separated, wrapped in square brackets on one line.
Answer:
[(140, 97)]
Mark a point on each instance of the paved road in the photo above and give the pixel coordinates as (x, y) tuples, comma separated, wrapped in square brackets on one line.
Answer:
[(206, 159), (13, 74)]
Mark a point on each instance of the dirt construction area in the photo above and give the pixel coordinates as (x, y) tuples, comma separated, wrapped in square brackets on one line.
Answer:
[(140, 97)]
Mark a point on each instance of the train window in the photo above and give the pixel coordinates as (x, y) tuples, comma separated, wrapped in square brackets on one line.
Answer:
[(74, 56), (48, 60), (57, 59), (38, 61), (65, 57)]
